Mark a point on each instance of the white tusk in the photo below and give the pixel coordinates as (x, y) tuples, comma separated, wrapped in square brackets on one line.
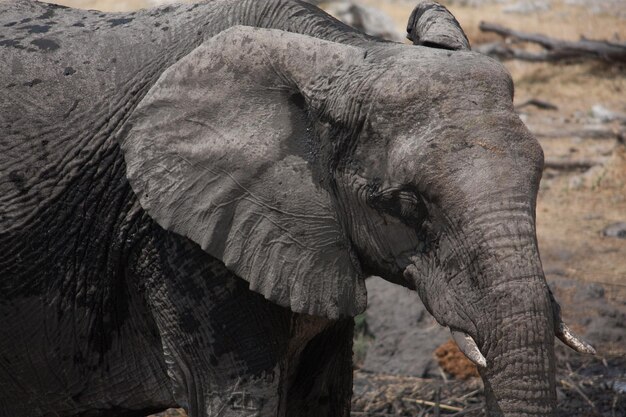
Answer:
[(468, 346), (566, 336)]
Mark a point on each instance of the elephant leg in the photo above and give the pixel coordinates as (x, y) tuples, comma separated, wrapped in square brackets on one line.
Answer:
[(322, 384), (227, 350)]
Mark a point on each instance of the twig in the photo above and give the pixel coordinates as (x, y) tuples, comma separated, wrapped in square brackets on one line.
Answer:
[(432, 404), (443, 375), (576, 388), (465, 396), (504, 52), (469, 410), (608, 283), (584, 133), (544, 105), (371, 400), (578, 164)]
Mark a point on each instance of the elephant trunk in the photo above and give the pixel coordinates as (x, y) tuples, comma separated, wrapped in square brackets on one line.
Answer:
[(519, 376), (517, 339)]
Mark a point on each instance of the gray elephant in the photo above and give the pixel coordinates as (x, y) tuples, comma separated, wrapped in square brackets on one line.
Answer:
[(192, 196)]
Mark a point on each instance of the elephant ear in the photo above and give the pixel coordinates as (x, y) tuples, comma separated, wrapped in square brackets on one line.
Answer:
[(432, 25), (223, 150)]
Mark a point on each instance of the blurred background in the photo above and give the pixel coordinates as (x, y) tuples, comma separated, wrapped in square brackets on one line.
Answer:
[(575, 104)]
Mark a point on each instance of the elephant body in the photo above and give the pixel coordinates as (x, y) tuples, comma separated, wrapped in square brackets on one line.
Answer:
[(192, 196), (88, 278)]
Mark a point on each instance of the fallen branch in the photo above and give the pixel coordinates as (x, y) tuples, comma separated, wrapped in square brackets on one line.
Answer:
[(504, 53), (571, 384), (469, 394), (541, 104), (585, 133), (433, 404), (572, 165), (555, 49), (464, 412)]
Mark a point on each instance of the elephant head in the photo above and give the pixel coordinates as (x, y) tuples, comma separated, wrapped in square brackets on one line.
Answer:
[(306, 165)]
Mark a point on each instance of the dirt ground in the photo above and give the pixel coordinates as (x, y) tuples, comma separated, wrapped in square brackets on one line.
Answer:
[(585, 268)]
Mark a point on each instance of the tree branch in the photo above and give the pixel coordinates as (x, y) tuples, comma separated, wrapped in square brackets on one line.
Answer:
[(555, 49)]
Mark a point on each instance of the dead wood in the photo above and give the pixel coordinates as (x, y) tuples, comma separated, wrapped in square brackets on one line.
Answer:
[(433, 404), (541, 104), (584, 133), (573, 165), (555, 49)]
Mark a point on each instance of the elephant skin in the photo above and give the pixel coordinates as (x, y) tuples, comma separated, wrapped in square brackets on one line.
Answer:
[(191, 197)]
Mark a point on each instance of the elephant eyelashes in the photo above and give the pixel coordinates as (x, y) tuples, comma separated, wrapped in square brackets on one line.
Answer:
[(403, 204)]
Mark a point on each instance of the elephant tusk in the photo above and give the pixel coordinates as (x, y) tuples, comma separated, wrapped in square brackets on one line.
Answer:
[(468, 346), (566, 336)]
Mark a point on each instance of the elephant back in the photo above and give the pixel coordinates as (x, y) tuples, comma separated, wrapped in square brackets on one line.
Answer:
[(69, 80)]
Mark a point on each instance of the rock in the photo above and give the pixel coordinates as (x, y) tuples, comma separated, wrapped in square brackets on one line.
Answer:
[(406, 335), (576, 182), (593, 216), (588, 179), (619, 387), (590, 292), (617, 230), (605, 115)]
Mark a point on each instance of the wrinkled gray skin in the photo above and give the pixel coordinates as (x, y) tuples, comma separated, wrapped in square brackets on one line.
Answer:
[(188, 211)]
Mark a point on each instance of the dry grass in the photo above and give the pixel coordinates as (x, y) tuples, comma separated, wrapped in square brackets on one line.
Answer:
[(392, 395), (454, 362)]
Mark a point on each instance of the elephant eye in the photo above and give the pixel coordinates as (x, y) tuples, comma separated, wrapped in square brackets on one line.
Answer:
[(403, 204), (408, 203)]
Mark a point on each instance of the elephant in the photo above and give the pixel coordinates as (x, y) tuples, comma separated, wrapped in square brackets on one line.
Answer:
[(192, 196)]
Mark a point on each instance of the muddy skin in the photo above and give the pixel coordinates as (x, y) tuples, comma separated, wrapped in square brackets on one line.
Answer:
[(194, 195)]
